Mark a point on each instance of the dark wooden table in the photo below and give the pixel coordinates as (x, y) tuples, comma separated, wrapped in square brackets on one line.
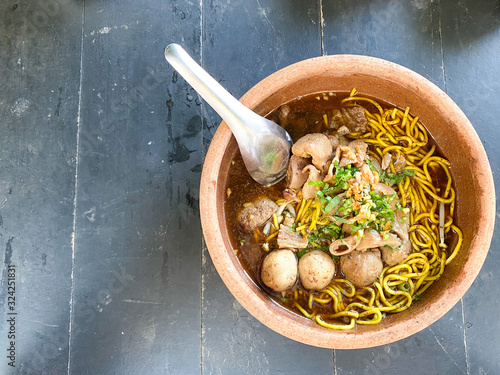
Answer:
[(102, 147)]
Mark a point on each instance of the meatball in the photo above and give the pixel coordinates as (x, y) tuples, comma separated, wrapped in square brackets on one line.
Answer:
[(279, 270), (362, 267), (316, 270)]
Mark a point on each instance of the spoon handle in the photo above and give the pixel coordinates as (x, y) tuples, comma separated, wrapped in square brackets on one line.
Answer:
[(236, 115)]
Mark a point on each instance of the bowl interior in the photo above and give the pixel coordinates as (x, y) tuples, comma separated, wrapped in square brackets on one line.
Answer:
[(455, 137)]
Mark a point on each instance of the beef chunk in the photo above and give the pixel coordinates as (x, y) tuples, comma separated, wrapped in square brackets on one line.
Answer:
[(353, 118), (316, 146), (256, 214), (295, 177)]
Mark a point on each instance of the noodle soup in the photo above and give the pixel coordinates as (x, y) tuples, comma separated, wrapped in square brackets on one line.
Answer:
[(362, 226)]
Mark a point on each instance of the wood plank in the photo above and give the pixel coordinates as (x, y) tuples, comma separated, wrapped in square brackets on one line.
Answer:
[(138, 259), (407, 33), (243, 43), (471, 39), (40, 70)]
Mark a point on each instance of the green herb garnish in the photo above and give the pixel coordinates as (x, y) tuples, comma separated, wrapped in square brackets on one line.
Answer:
[(396, 178), (301, 253), (335, 201), (405, 287), (370, 164)]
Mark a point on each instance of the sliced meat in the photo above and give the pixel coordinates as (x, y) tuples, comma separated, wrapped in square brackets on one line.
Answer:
[(309, 191), (279, 270), (343, 141), (316, 270), (330, 173), (295, 177), (386, 161), (338, 154), (384, 189), (394, 256), (376, 164), (256, 214), (355, 153), (288, 222), (288, 239), (362, 268), (346, 228), (343, 130), (400, 163), (401, 225), (290, 195), (372, 239), (368, 175), (353, 118), (316, 146), (345, 245), (334, 141)]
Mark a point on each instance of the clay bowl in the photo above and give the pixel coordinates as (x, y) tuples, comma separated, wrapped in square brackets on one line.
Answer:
[(454, 134)]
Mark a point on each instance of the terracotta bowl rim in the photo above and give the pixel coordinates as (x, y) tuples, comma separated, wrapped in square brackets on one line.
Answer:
[(319, 336)]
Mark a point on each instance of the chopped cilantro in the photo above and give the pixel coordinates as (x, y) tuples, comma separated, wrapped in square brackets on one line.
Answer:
[(342, 175), (301, 253), (339, 219), (356, 227), (346, 206)]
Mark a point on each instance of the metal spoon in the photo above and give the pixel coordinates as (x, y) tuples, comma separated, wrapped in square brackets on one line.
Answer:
[(264, 145)]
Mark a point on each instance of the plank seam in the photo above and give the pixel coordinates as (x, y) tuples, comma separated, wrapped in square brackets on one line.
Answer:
[(443, 68), (467, 364), (334, 362), (321, 27), (77, 161), (202, 280)]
